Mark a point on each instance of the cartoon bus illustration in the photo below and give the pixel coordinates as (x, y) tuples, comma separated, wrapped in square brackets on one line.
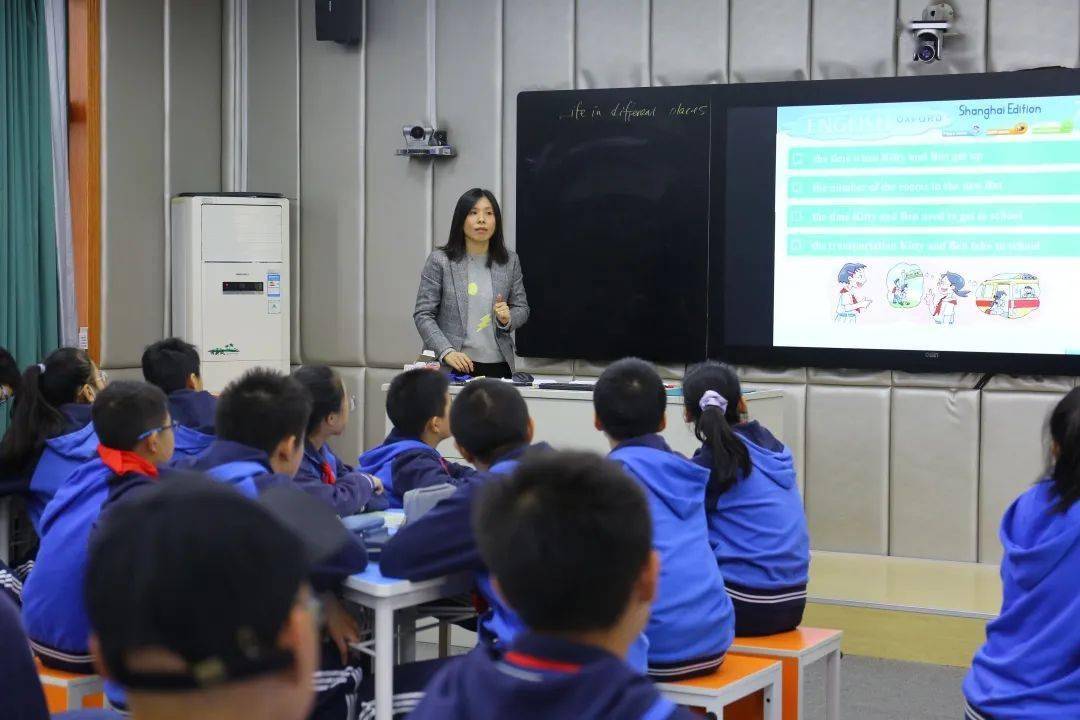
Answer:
[(1010, 295)]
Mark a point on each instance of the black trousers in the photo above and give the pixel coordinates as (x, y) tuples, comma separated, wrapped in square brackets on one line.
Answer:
[(766, 612)]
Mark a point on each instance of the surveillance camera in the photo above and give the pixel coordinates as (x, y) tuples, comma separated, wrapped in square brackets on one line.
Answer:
[(417, 137), (930, 32), (422, 141)]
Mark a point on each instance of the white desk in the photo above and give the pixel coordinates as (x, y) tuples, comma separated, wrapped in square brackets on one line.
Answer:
[(384, 595), (564, 419)]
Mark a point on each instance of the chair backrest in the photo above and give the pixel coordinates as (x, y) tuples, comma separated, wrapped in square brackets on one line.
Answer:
[(417, 502)]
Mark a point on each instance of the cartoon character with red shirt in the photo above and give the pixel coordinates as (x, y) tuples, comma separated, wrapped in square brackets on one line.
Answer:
[(944, 297), (851, 277)]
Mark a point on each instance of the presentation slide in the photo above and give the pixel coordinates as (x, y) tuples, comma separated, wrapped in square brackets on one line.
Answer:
[(935, 226)]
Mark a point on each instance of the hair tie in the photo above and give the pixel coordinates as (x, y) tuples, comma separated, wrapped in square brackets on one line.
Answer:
[(41, 367), (711, 398)]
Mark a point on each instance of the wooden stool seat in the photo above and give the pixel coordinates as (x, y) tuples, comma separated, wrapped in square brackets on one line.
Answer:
[(739, 677), (795, 650)]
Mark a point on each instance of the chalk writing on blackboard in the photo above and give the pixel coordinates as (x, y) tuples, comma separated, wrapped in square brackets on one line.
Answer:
[(628, 111)]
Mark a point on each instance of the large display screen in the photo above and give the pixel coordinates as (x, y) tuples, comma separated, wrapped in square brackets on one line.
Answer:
[(941, 225)]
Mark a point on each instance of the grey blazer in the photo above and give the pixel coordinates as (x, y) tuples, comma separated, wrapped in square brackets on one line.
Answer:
[(441, 303)]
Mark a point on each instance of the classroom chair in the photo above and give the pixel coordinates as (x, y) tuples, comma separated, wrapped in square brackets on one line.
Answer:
[(796, 650), (736, 682), (70, 691)]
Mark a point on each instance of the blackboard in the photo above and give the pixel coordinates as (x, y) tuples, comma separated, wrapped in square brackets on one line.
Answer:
[(613, 207)]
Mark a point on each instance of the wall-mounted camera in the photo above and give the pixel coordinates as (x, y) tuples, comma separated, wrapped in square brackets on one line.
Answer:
[(421, 141), (937, 22)]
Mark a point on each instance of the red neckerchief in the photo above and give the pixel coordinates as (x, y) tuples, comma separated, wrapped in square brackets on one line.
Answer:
[(123, 462), (328, 476), (532, 662)]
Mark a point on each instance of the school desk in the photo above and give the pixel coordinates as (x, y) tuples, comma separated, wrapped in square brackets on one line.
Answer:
[(385, 595), (564, 419)]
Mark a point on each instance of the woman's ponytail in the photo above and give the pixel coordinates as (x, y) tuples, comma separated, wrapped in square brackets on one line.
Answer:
[(711, 392), (1065, 432), (35, 415)]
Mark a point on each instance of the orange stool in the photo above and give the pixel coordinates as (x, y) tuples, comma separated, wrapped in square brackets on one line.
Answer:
[(70, 691), (795, 650), (739, 677)]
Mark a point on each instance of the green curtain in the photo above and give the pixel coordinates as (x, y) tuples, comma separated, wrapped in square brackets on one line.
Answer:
[(29, 296)]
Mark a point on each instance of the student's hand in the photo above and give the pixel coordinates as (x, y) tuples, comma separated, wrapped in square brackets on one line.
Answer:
[(377, 485), (459, 361), (502, 311), (340, 626)]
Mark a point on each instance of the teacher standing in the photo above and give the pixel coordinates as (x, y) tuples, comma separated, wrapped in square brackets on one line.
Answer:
[(471, 294)]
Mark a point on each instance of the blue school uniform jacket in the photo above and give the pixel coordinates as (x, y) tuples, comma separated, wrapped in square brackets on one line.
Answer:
[(404, 463), (60, 457), (349, 492), (757, 529), (53, 607), (236, 464), (692, 616), (1029, 668), (542, 677), (194, 411)]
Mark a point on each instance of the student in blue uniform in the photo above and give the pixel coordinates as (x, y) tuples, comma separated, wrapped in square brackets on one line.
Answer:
[(173, 365), (133, 424), (568, 540), (1029, 669), (757, 526), (692, 624), (418, 405), (50, 433), (321, 473), (260, 425)]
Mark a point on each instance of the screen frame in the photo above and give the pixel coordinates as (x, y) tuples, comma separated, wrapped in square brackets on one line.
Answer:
[(1023, 83)]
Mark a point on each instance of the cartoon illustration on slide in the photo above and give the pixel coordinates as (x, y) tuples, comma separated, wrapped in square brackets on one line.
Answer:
[(943, 298), (904, 286), (1009, 295), (851, 277)]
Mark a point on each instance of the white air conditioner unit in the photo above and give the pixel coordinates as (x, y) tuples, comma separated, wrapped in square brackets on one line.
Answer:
[(230, 282)]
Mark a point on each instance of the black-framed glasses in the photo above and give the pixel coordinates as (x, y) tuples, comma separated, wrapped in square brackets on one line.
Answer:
[(150, 432)]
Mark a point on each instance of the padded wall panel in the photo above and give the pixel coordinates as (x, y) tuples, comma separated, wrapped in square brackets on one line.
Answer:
[(853, 39), (794, 433), (965, 53), (331, 189), (1013, 455), (1013, 24), (538, 54), (612, 43), (544, 366), (194, 68), (132, 179), (468, 80), (769, 40), (375, 404), (849, 377), (749, 373), (130, 374), (587, 369), (847, 468), (1031, 383), (273, 140), (934, 476), (397, 226), (350, 444), (689, 42), (959, 381)]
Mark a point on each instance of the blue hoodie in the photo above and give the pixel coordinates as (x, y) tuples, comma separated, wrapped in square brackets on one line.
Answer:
[(347, 494), (757, 529), (405, 463), (1029, 667), (692, 616), (236, 464), (194, 410), (542, 677), (442, 542), (53, 607)]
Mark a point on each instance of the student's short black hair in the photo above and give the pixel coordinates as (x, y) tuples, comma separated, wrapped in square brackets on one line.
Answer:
[(9, 370), (630, 399), (326, 390), (488, 418), (261, 409), (415, 397), (125, 410), (168, 364), (566, 536)]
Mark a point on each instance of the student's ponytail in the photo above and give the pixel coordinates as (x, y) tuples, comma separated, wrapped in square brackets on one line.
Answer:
[(1065, 432), (712, 392), (35, 416)]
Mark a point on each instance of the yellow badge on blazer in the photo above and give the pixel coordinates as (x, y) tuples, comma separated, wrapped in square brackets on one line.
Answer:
[(473, 289)]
